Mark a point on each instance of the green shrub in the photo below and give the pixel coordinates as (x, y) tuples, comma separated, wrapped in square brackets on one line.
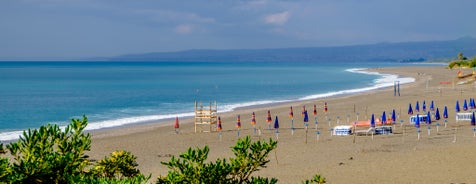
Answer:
[(50, 155), (249, 157), (317, 179), (120, 165)]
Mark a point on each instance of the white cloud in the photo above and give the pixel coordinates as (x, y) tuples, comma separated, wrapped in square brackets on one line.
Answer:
[(278, 18), (184, 29)]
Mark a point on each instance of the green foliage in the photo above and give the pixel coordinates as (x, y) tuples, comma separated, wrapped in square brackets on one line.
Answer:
[(5, 169), (50, 155), (249, 157), (317, 179), (120, 164), (462, 62)]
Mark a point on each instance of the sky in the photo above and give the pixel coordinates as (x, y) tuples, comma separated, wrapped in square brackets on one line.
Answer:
[(74, 29)]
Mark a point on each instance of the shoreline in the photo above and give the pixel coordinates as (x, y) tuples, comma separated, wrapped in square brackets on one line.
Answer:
[(126, 122)]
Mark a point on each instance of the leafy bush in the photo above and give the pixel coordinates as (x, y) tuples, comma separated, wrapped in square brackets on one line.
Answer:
[(120, 164), (50, 155), (249, 157), (317, 179)]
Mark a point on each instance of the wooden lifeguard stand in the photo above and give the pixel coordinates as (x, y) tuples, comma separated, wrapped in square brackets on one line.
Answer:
[(205, 116)]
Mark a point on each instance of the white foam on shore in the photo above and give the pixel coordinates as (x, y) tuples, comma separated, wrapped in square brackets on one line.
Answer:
[(385, 80)]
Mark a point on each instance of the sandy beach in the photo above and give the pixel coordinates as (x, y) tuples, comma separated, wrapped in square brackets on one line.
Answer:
[(446, 156)]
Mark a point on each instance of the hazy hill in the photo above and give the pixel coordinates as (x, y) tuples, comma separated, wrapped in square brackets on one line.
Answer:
[(397, 52)]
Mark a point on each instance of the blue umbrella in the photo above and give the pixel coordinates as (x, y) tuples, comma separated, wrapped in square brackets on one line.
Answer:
[(410, 110), (432, 106), (465, 105), (473, 120), (445, 113), (424, 106), (457, 106), (394, 116), (471, 103), (306, 118), (417, 107), (384, 118), (372, 121), (437, 114), (428, 118), (276, 123), (417, 122)]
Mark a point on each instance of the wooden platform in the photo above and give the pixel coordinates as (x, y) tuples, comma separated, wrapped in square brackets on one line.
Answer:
[(205, 117)]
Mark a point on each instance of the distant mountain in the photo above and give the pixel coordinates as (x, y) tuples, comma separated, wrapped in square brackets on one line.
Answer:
[(392, 52)]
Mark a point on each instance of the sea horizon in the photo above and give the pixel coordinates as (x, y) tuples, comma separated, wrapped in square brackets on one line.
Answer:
[(141, 103)]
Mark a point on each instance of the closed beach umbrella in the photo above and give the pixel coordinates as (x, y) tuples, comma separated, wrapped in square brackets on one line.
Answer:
[(268, 118), (432, 106), (465, 105), (176, 125), (325, 106), (303, 110), (473, 120), (291, 113), (315, 110), (394, 116), (238, 122), (424, 106), (276, 123), (417, 107), (417, 122), (457, 106), (471, 103), (428, 118), (410, 110), (306, 117), (372, 121), (384, 118), (445, 113), (437, 114), (253, 119), (219, 124)]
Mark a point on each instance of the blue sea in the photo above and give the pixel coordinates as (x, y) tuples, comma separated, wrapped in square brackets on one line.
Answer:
[(112, 94)]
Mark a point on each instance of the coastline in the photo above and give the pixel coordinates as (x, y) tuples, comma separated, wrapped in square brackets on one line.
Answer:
[(382, 81), (395, 158)]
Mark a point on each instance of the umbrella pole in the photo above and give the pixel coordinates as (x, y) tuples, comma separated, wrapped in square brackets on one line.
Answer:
[(429, 129), (220, 135), (315, 121), (454, 140), (306, 135), (292, 126), (254, 129), (317, 136)]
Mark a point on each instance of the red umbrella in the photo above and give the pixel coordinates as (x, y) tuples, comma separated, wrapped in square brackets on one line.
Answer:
[(315, 110), (219, 124), (176, 125), (253, 119), (291, 113), (238, 122), (269, 120)]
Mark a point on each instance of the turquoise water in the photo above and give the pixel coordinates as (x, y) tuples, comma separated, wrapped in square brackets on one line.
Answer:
[(117, 93)]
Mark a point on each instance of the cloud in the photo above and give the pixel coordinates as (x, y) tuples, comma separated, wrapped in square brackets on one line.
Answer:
[(278, 18), (184, 29)]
